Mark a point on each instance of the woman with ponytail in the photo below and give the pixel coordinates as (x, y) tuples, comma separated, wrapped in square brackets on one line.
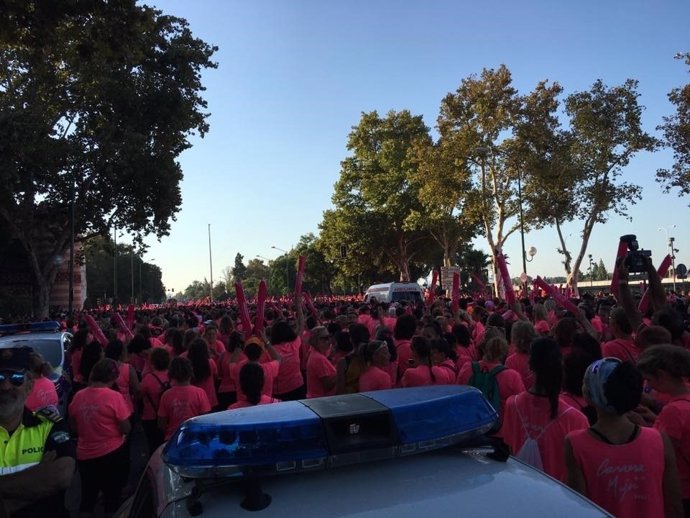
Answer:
[(538, 416), (252, 385), (421, 373)]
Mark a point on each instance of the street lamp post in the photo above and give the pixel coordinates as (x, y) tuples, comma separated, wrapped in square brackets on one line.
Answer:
[(591, 271), (287, 268)]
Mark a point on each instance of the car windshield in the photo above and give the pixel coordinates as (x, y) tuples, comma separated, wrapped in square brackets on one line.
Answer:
[(49, 348), (406, 295)]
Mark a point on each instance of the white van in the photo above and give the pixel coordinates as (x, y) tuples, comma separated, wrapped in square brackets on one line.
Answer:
[(394, 292)]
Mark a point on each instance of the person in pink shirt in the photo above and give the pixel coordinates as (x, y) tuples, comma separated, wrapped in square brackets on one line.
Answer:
[(443, 358), (43, 393), (628, 470), (215, 346), (99, 418), (667, 369), (321, 374), (153, 384), (376, 377), (522, 334), (622, 345), (251, 385), (253, 352), (227, 389), (127, 382), (289, 383), (182, 400), (404, 330), (422, 372), (463, 348), (495, 351), (204, 368), (540, 414), (79, 341)]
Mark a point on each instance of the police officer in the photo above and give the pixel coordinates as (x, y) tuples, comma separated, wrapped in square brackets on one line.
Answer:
[(36, 452)]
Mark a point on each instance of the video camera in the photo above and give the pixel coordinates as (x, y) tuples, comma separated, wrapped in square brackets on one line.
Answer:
[(635, 259)]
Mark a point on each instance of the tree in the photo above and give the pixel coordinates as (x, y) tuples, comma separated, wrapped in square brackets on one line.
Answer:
[(319, 272), (481, 119), (97, 101), (374, 196), (605, 133), (239, 269), (676, 131)]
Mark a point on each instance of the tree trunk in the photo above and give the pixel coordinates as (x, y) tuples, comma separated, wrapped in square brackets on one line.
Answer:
[(41, 299)]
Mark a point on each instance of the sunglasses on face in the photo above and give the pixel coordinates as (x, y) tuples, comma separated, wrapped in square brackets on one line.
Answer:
[(14, 377)]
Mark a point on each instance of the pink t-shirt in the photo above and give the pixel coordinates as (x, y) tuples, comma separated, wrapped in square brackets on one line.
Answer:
[(625, 479), (318, 366), (624, 350), (464, 356), (420, 376), (374, 378), (674, 421), (227, 382), (76, 362), (179, 403), (509, 381), (289, 375), (209, 384), (122, 383), (519, 362), (96, 413), (152, 387), (243, 403), (42, 394), (445, 372), (404, 348), (527, 414)]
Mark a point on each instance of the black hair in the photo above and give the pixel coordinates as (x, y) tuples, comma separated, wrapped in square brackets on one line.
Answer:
[(180, 370), (358, 334), (574, 367), (252, 382), (545, 361), (90, 355), (282, 332), (623, 388), (104, 371), (79, 339), (342, 342), (198, 356), (114, 350), (672, 359), (462, 335), (422, 349), (160, 358), (442, 346), (670, 319), (175, 338), (235, 341), (587, 343), (405, 327), (564, 331), (253, 352), (138, 344)]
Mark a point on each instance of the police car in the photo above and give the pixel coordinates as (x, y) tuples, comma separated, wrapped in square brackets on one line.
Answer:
[(47, 339), (391, 453)]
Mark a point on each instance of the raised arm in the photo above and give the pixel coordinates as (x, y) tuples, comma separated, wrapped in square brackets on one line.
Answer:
[(625, 297)]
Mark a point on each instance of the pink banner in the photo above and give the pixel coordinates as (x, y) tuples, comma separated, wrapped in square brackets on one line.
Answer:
[(479, 282), (260, 306), (301, 262), (556, 295), (622, 250), (310, 305), (432, 288), (244, 312), (130, 316), (455, 294), (96, 331), (662, 271), (123, 327), (505, 276)]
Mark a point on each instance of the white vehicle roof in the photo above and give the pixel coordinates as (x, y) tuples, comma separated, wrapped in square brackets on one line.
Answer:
[(421, 458)]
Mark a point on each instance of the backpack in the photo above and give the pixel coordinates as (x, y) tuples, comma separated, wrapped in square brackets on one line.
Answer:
[(487, 383), (529, 451)]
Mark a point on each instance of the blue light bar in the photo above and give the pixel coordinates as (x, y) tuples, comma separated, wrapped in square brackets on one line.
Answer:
[(31, 327), (327, 432)]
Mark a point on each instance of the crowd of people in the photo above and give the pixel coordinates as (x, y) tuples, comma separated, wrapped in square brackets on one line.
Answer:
[(598, 399)]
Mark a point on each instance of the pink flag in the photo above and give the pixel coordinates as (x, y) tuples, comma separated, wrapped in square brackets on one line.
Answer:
[(244, 312), (310, 306), (622, 249), (130, 316), (301, 262), (505, 276), (432, 288), (96, 330), (662, 271), (127, 331), (479, 282), (260, 305), (455, 294), (556, 295)]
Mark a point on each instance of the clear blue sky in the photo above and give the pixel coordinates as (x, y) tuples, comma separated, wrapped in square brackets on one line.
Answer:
[(294, 77)]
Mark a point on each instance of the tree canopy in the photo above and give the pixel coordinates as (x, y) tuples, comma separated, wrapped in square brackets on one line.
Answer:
[(97, 101)]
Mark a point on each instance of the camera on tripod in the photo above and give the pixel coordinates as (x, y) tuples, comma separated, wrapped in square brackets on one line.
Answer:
[(635, 259)]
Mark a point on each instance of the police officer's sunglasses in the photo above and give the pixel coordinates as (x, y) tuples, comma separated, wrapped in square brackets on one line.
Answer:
[(15, 378)]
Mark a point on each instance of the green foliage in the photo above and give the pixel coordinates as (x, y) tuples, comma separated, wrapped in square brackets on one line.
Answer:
[(102, 96), (676, 130), (239, 269)]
